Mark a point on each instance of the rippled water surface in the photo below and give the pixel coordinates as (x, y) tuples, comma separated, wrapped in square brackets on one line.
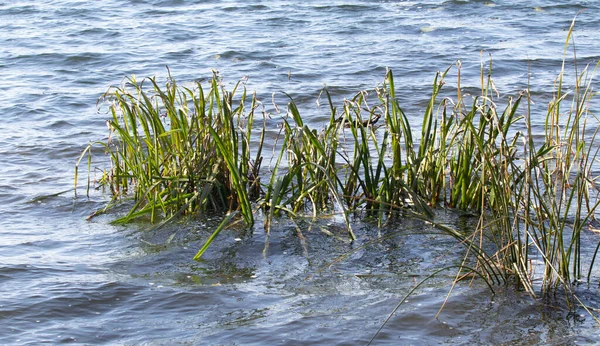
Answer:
[(64, 279)]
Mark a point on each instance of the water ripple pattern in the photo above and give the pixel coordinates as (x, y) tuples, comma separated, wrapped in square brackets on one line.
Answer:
[(64, 279)]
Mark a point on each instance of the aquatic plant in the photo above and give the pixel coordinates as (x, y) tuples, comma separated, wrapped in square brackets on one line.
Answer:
[(533, 199), (177, 150)]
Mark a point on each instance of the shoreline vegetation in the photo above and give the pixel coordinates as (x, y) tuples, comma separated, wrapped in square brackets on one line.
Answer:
[(178, 150)]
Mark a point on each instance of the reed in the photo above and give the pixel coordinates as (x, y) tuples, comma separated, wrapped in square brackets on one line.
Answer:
[(178, 150), (542, 195), (311, 180)]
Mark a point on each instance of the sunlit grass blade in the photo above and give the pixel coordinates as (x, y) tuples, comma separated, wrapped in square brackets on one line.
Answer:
[(214, 235)]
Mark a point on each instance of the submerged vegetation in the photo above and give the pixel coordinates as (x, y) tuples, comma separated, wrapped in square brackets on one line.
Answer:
[(186, 150)]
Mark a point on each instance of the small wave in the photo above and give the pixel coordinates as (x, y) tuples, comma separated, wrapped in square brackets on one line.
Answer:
[(179, 54), (83, 57), (20, 10), (284, 21), (245, 8), (345, 7), (92, 32)]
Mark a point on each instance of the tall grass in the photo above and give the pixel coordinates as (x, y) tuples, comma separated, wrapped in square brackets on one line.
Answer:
[(540, 196), (182, 150), (179, 150)]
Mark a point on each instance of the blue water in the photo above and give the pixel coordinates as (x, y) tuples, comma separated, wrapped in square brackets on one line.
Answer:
[(67, 280)]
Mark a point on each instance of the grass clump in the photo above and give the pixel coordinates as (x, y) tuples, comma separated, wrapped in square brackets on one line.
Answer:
[(183, 150)]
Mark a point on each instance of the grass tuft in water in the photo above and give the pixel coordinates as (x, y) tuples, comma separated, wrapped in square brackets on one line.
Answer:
[(185, 150), (181, 150)]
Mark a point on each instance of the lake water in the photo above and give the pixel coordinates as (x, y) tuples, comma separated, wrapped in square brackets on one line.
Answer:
[(67, 280)]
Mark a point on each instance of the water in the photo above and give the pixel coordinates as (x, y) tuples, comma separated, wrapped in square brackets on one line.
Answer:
[(66, 280)]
